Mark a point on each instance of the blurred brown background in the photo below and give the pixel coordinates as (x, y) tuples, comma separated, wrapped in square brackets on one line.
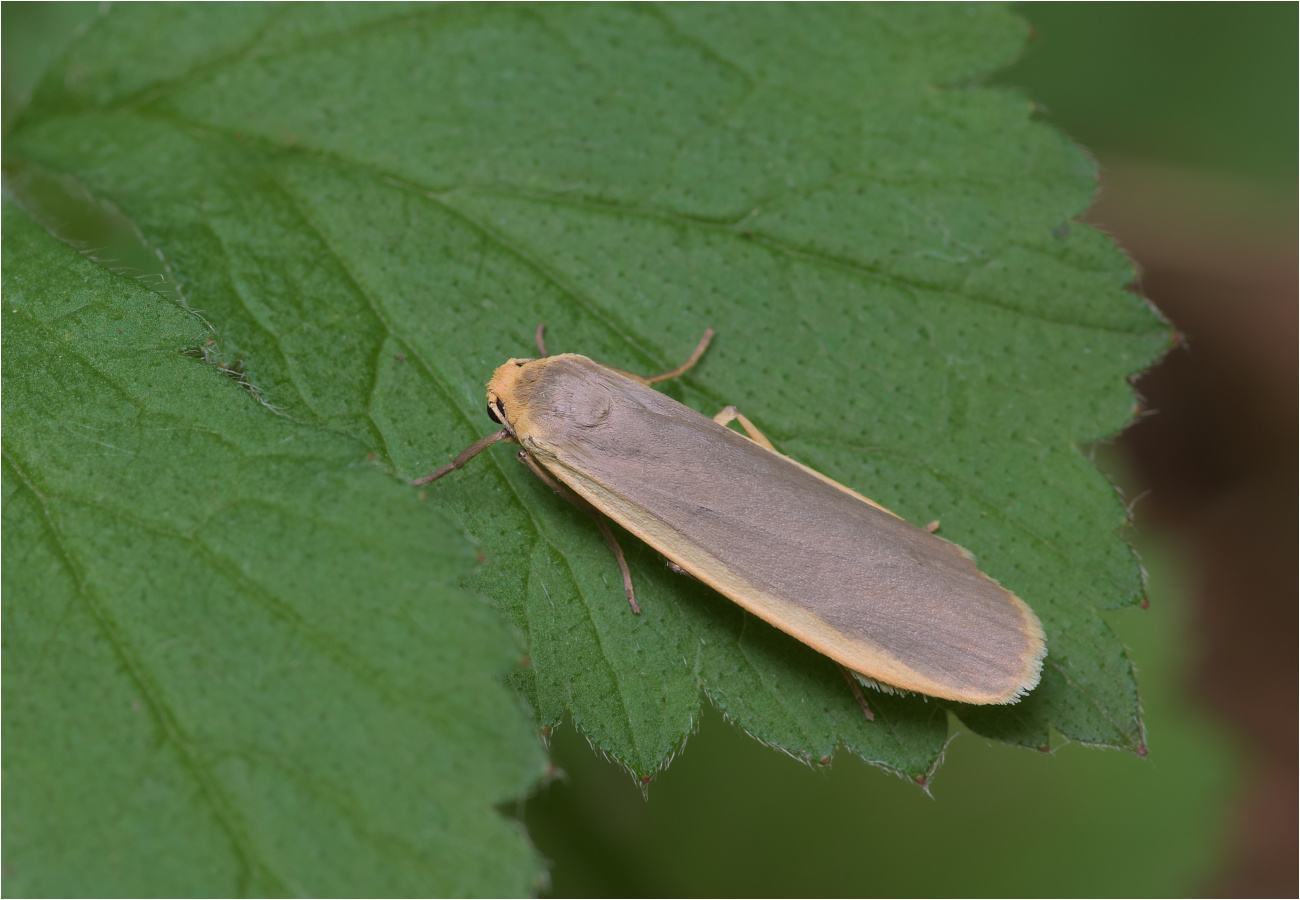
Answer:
[(1191, 110), (1216, 467)]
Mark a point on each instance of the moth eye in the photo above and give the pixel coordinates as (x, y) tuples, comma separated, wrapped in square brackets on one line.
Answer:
[(492, 414)]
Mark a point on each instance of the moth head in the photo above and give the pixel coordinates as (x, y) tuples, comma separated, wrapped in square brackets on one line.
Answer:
[(501, 390)]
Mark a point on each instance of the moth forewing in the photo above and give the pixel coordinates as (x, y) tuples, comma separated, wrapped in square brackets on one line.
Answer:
[(812, 557)]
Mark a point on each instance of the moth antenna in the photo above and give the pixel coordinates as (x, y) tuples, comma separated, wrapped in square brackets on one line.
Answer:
[(465, 456)]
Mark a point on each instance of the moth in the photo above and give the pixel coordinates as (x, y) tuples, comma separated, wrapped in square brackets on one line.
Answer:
[(897, 606)]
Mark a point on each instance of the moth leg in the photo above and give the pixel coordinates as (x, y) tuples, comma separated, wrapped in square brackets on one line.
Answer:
[(673, 373), (731, 414), (465, 456), (541, 343), (932, 527), (622, 563), (857, 693), (590, 510), (678, 569)]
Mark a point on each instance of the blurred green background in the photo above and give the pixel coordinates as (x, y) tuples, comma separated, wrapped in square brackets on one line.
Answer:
[(1211, 85), (1191, 111)]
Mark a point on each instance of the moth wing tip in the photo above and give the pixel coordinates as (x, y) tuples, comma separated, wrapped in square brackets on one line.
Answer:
[(1035, 652)]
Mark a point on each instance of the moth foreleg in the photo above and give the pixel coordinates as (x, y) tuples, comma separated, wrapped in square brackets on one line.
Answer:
[(692, 360), (590, 510)]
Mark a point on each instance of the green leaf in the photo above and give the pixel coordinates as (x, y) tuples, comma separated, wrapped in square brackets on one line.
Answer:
[(375, 208), (34, 36), (235, 658)]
